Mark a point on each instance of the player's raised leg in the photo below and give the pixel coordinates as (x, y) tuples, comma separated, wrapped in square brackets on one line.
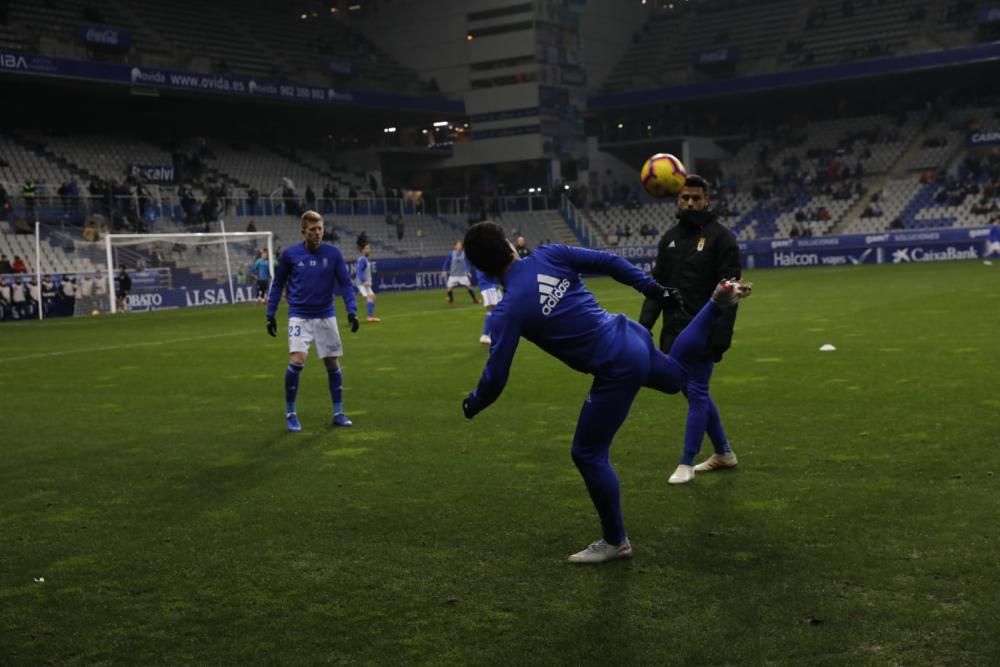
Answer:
[(690, 342)]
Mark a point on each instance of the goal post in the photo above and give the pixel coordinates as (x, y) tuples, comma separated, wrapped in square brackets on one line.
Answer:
[(177, 269)]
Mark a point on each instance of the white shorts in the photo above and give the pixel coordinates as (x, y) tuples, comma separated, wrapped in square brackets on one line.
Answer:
[(366, 290), (993, 247), (458, 280), (491, 296), (302, 332)]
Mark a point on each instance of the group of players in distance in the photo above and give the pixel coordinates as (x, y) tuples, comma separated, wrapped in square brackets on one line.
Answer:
[(545, 302)]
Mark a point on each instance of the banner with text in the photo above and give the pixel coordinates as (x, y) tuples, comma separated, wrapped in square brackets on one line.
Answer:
[(990, 137), (12, 62), (852, 250), (105, 36), (154, 173)]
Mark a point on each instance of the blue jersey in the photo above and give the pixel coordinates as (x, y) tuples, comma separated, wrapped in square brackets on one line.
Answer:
[(261, 270), (484, 281), (456, 264), (313, 277), (994, 233), (546, 302), (364, 271)]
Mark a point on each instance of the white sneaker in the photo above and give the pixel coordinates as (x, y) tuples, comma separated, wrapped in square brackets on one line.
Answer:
[(730, 291), (717, 461), (601, 552), (682, 475), (485, 340), (987, 262)]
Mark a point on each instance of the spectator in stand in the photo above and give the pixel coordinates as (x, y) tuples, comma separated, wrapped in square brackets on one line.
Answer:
[(5, 266), (521, 246), (30, 194), (5, 299), (253, 197), (19, 266), (18, 298), (48, 294), (85, 287), (123, 287), (67, 290), (310, 198), (34, 298), (327, 199)]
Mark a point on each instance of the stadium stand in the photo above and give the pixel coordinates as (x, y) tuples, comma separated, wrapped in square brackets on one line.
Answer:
[(847, 30), (809, 34), (259, 40)]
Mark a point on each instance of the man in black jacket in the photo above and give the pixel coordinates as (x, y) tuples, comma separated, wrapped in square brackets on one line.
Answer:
[(693, 256)]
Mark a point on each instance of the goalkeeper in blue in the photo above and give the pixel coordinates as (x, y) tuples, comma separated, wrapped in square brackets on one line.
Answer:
[(313, 273), (546, 303)]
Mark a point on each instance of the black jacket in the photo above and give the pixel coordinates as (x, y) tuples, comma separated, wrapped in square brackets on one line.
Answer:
[(694, 260)]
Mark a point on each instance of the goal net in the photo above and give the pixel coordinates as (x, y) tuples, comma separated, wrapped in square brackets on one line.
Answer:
[(179, 270)]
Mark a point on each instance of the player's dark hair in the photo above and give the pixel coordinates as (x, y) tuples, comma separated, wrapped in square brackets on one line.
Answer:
[(696, 181), (487, 248)]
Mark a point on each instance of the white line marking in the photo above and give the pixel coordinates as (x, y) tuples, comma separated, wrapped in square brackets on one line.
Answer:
[(106, 348)]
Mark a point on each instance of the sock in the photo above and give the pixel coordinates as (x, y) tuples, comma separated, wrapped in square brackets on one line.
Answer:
[(720, 442), (292, 385), (371, 309), (486, 323), (473, 295), (336, 379), (451, 297)]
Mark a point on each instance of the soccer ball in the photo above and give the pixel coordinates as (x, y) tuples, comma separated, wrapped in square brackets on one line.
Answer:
[(663, 175), (95, 312)]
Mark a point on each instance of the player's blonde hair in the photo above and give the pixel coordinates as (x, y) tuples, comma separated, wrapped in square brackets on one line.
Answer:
[(310, 217)]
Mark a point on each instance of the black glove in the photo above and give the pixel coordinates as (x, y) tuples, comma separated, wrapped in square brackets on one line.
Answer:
[(272, 326), (353, 319), (669, 297), (470, 406)]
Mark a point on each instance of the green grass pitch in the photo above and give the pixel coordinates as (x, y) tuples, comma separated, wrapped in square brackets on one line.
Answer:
[(146, 477)]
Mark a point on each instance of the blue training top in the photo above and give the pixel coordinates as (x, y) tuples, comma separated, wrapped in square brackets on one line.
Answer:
[(261, 270), (364, 271), (994, 233), (456, 264), (313, 277), (484, 281), (546, 302)]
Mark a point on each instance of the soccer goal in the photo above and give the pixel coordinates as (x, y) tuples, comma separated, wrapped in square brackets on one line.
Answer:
[(178, 270)]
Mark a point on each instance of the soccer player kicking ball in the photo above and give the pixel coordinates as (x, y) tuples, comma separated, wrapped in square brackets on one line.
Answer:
[(313, 271), (546, 302)]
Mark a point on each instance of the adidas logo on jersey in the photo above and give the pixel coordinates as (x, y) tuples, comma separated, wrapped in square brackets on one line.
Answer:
[(672, 245), (550, 291)]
